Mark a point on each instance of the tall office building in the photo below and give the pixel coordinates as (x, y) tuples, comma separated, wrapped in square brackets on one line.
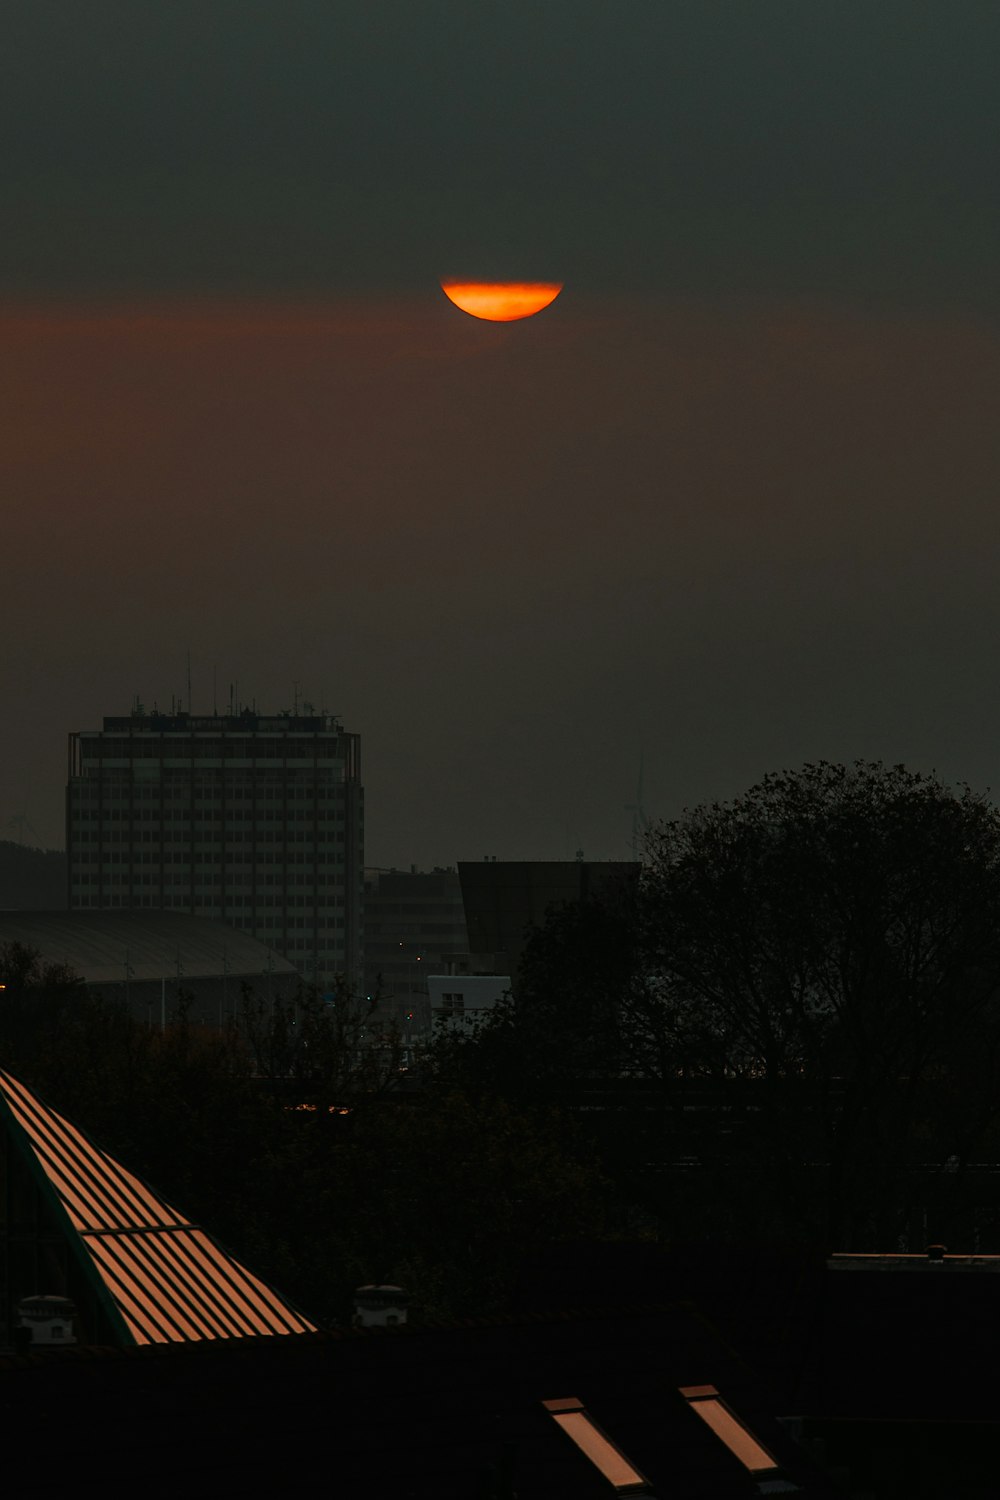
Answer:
[(255, 820)]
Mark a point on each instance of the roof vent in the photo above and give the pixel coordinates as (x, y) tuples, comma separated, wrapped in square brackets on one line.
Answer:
[(382, 1306), (47, 1321)]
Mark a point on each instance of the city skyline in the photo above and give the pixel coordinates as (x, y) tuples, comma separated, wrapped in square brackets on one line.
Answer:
[(727, 506)]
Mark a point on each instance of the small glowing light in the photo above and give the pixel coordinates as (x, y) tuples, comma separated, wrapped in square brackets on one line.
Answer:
[(501, 301)]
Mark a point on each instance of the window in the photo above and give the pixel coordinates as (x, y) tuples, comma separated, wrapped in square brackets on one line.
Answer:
[(571, 1416), (705, 1400)]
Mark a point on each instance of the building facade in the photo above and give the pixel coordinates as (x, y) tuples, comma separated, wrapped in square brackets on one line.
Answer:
[(254, 820)]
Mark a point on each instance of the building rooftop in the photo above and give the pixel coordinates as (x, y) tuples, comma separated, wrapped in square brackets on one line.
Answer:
[(449, 1412), (246, 722)]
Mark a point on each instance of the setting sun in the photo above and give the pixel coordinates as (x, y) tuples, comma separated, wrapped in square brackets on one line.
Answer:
[(501, 301)]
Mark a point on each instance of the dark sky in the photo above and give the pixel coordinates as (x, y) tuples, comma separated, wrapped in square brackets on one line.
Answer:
[(730, 503)]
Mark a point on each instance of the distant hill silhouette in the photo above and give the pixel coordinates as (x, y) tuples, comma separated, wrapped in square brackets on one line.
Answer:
[(32, 879)]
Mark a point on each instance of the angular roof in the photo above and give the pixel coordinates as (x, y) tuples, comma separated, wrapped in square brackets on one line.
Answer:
[(166, 1278)]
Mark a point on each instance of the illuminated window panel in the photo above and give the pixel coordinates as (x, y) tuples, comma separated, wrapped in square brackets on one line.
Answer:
[(168, 1279), (705, 1400), (575, 1421)]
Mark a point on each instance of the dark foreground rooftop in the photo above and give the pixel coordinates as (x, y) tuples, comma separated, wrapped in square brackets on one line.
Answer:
[(103, 947), (452, 1413)]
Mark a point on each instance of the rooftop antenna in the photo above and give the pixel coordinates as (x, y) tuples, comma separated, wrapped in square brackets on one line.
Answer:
[(295, 696), (215, 700), (189, 680)]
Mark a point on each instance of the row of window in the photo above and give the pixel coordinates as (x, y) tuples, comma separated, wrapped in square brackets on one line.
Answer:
[(120, 786), (246, 921), (452, 1005), (174, 838), (324, 897), (82, 860), (237, 816), (271, 747)]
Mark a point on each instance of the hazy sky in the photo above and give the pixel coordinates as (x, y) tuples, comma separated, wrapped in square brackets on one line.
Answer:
[(730, 503)]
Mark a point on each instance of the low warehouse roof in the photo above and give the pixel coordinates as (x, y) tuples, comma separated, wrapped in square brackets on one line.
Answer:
[(98, 945)]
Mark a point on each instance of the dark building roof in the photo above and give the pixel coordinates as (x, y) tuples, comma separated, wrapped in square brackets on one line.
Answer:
[(450, 1413), (904, 1337), (97, 945)]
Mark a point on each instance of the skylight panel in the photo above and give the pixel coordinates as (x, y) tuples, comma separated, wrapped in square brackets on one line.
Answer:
[(571, 1415), (705, 1400)]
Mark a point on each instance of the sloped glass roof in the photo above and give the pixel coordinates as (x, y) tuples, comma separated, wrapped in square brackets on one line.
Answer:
[(168, 1279), (706, 1401), (577, 1423)]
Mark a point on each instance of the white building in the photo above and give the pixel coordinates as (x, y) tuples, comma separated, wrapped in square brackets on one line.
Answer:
[(462, 999)]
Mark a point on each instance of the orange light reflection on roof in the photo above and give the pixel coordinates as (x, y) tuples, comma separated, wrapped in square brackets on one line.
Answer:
[(577, 1423), (501, 301), (140, 1300), (168, 1278), (738, 1438)]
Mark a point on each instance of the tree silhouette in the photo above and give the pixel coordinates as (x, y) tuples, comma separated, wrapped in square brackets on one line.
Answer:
[(833, 938)]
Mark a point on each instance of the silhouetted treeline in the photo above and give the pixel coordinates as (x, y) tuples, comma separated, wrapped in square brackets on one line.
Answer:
[(792, 1032), (32, 879)]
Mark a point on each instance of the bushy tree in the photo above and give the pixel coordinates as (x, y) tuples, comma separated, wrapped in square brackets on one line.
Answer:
[(35, 997), (833, 938), (564, 1024), (804, 998), (452, 1194)]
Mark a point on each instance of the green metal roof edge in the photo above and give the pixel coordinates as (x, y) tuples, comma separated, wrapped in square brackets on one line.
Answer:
[(85, 1261)]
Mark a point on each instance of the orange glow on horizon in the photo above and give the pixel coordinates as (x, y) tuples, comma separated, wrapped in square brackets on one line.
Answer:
[(501, 301)]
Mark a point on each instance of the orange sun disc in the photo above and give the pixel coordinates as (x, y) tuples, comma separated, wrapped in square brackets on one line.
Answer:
[(501, 301)]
